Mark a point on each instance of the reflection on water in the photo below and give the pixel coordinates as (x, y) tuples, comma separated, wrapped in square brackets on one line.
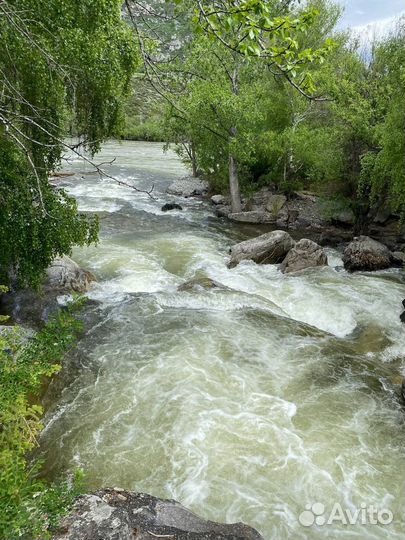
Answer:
[(246, 402)]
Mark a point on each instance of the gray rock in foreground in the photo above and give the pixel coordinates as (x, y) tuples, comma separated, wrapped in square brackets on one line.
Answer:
[(115, 514), (188, 187), (305, 254), (269, 248), (364, 253)]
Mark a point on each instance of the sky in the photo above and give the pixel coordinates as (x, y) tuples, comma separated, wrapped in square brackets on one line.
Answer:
[(371, 15)]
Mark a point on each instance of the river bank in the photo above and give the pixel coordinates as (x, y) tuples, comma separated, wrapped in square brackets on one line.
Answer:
[(244, 403)]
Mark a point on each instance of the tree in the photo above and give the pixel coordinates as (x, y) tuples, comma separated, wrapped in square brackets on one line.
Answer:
[(63, 66), (236, 37)]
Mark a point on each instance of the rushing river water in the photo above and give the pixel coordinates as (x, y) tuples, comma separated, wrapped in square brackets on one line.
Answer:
[(245, 404)]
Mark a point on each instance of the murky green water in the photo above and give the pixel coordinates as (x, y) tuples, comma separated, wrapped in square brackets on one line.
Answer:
[(243, 404)]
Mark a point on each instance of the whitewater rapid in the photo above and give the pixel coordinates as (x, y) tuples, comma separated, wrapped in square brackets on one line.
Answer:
[(245, 403)]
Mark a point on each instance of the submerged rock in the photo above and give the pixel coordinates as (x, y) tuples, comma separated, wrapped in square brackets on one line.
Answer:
[(188, 186), (65, 274), (115, 514), (200, 283), (171, 206), (305, 254), (269, 248), (364, 253)]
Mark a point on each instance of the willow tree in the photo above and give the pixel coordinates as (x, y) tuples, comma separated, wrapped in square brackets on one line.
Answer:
[(64, 66)]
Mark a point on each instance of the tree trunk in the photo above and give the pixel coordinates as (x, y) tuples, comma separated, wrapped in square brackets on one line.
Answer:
[(234, 188), (236, 205), (193, 160)]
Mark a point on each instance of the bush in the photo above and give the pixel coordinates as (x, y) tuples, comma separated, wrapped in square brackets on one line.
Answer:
[(29, 507)]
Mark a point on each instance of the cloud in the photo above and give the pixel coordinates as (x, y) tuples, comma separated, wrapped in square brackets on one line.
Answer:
[(375, 29), (361, 13)]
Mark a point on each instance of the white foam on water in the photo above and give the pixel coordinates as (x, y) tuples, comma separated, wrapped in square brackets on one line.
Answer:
[(226, 399)]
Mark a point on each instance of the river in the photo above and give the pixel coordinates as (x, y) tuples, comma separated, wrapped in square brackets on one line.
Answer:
[(245, 403)]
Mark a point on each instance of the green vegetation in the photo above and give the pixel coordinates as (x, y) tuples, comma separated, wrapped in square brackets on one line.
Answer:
[(64, 66), (29, 507), (268, 92)]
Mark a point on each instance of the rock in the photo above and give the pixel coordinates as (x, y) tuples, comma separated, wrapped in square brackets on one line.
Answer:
[(254, 216), (65, 274), (345, 218), (218, 199), (274, 204), (305, 254), (402, 317), (398, 258), (171, 206), (200, 283), (223, 210), (188, 186), (269, 248), (364, 253), (383, 215), (104, 515)]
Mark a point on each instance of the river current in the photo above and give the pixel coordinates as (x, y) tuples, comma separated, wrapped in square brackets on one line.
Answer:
[(246, 403)]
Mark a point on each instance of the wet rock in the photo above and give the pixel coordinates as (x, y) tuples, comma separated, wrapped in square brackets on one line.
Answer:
[(223, 210), (305, 254), (269, 248), (253, 216), (105, 515), (188, 187), (364, 253), (200, 283), (218, 199), (65, 274), (63, 277), (171, 206), (398, 258)]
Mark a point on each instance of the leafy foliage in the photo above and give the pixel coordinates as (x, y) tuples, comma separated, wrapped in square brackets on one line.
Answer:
[(29, 507), (63, 65)]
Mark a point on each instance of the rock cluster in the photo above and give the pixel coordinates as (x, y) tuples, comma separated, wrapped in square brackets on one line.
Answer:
[(115, 514), (278, 247)]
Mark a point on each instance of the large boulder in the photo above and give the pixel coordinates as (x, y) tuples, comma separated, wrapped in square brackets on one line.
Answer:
[(364, 253), (269, 248), (115, 514), (65, 274), (305, 254), (188, 187)]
